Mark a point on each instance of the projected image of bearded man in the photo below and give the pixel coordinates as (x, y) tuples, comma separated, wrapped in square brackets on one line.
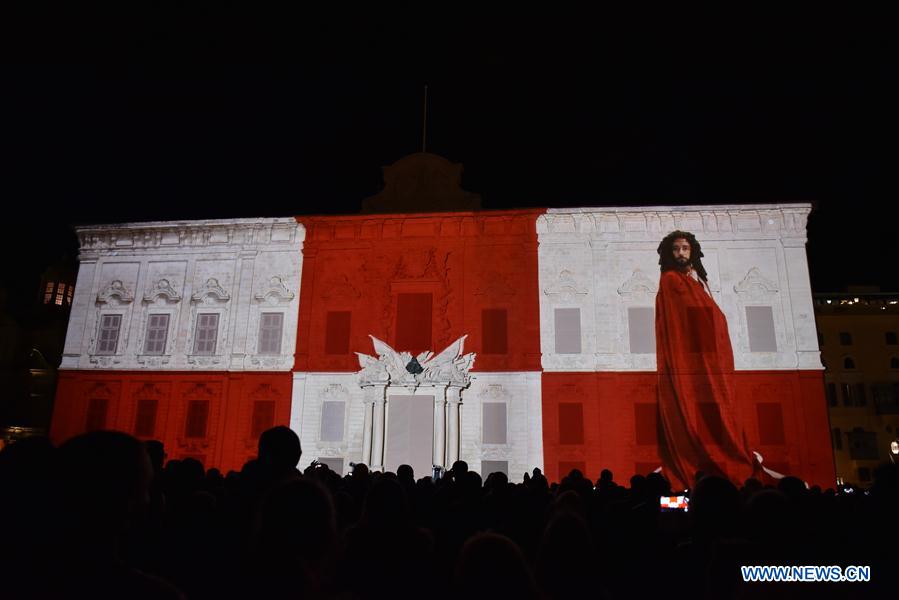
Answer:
[(699, 426)]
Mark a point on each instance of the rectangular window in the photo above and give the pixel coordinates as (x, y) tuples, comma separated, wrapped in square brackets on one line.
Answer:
[(641, 328), (494, 331), (197, 418), (493, 415), (60, 293), (69, 293), (157, 334), (271, 326), (96, 414), (832, 394), (48, 294), (568, 330), (337, 332), (700, 326), (145, 422), (847, 394), (109, 334), (863, 445), (263, 417), (861, 397), (206, 333), (333, 412), (760, 322), (413, 322), (845, 338), (571, 423), (891, 338)]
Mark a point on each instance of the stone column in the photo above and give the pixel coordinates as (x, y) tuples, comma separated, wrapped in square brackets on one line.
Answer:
[(378, 422), (454, 400), (440, 429), (366, 430)]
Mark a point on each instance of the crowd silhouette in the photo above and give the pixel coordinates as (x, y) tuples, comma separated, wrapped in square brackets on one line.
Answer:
[(105, 516)]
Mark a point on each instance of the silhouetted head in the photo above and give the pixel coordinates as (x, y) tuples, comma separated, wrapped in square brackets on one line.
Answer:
[(768, 516), (279, 448), (405, 472), (675, 259), (605, 477), (297, 519), (793, 487), (156, 452), (386, 504), (104, 480), (715, 506), (460, 467), (492, 566)]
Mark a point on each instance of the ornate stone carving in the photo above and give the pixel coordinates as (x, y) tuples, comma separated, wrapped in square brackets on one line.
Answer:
[(495, 287), (638, 284), (493, 392), (211, 290), (566, 288), (162, 288), (276, 290), (450, 367), (242, 233), (204, 361), (154, 360), (334, 392), (116, 293), (340, 288), (755, 285)]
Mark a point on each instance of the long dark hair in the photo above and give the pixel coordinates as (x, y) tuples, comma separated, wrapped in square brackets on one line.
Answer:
[(666, 254)]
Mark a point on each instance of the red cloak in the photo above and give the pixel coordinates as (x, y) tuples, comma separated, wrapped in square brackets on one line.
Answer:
[(699, 428)]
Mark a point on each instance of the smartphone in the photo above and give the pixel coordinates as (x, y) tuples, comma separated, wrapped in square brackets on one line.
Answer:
[(674, 503)]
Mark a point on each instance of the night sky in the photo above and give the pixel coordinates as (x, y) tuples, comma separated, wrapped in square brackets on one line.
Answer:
[(237, 112)]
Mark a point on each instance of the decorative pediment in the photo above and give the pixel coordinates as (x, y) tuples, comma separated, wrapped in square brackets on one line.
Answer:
[(495, 287), (115, 293), (276, 290), (340, 288), (334, 392), (638, 283), (163, 288), (493, 393), (566, 287), (199, 390), (450, 367), (211, 290), (148, 391), (754, 284), (100, 390)]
